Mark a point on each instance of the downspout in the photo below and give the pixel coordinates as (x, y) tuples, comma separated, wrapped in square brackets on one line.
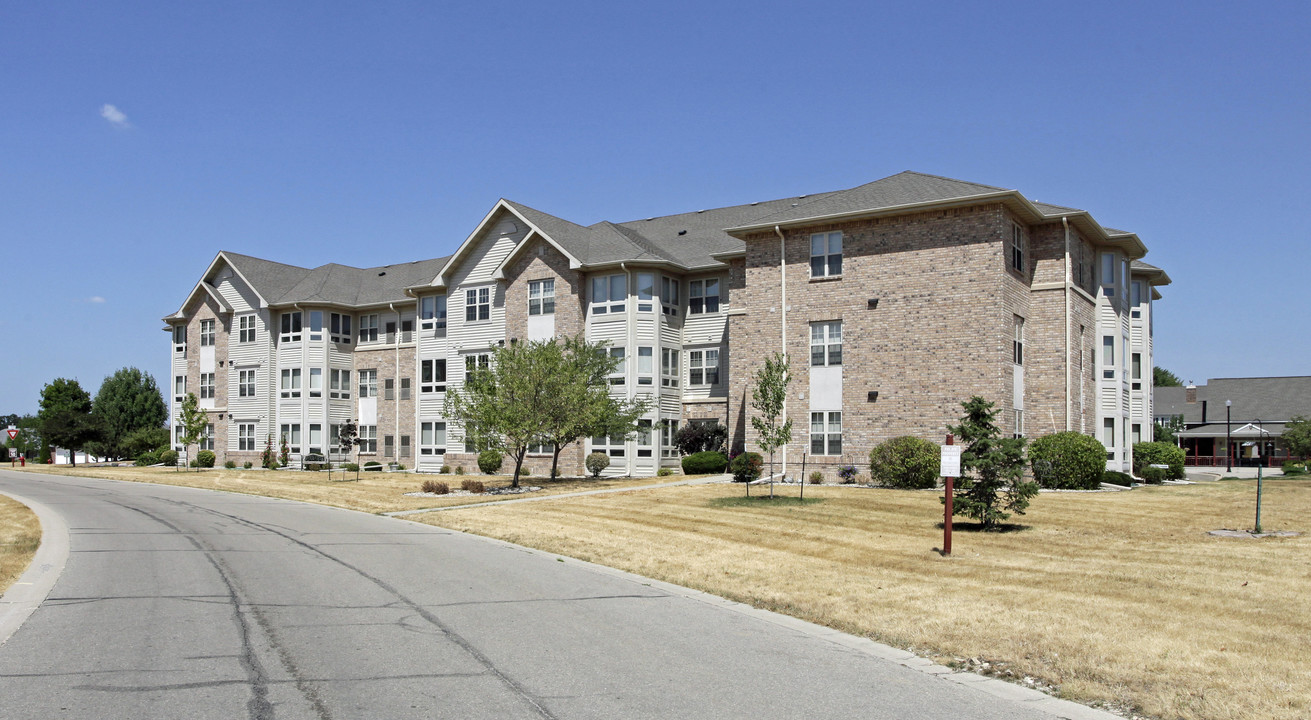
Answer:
[(396, 385), (630, 339), (1065, 222), (783, 325)]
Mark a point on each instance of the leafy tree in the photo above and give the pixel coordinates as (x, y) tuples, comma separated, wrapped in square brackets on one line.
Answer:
[(1164, 378), (993, 465), (192, 421), (128, 400), (767, 397), (1297, 436), (65, 416), (348, 436), (1165, 432), (698, 437), (144, 440), (28, 443)]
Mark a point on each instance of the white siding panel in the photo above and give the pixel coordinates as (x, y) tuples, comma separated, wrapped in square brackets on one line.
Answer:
[(826, 388), (237, 295), (699, 329)]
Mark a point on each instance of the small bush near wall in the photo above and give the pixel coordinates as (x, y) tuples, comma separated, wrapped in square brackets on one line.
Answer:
[(905, 462), (1154, 474), (746, 467), (489, 461), (446, 470), (205, 458), (473, 486), (231, 464), (1068, 461), (435, 488), (1294, 468), (372, 465), (169, 457), (596, 462), (817, 478), (665, 472), (1158, 453), (704, 463), (1117, 478), (247, 465)]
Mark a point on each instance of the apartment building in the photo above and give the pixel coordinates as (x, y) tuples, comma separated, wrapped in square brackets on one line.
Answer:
[(894, 301)]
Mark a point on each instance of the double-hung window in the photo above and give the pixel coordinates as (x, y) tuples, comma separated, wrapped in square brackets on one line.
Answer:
[(645, 292), (1017, 342), (339, 384), (826, 254), (1108, 356), (826, 433), (369, 328), (246, 436), (290, 433), (621, 370), (290, 327), (541, 297), (669, 367), (1017, 248), (390, 328), (316, 382), (368, 385), (389, 388), (612, 445), (1108, 437), (246, 329), (703, 367), (206, 441), (368, 440), (644, 439), (206, 333), (646, 366), (341, 328), (432, 313), (432, 438), (703, 296), (432, 376), (180, 338), (669, 295), (291, 382), (481, 361), (1136, 371), (316, 439), (609, 293), (1108, 274), (405, 388), (206, 385), (316, 325), (826, 343), (668, 429), (179, 387), (477, 304)]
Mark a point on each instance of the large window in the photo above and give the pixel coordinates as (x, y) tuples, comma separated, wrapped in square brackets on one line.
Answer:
[(316, 382), (669, 367), (703, 367), (290, 433), (206, 385), (432, 438), (340, 328), (179, 387), (369, 328), (477, 304), (206, 333), (612, 445), (316, 325), (826, 433), (246, 437), (290, 327), (432, 376), (620, 374), (645, 292), (668, 429), (206, 441), (1017, 342), (541, 297), (316, 439), (339, 384), (826, 254), (368, 438), (1108, 356), (1108, 274), (180, 338), (669, 295), (645, 366), (246, 329), (645, 447), (291, 382), (368, 384), (432, 313), (1017, 248), (609, 292), (826, 343), (703, 296)]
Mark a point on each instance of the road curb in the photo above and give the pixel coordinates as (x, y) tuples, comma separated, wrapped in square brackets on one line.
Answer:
[(34, 585)]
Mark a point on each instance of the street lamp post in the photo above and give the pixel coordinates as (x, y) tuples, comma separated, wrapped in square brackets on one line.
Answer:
[(1229, 447), (1260, 464)]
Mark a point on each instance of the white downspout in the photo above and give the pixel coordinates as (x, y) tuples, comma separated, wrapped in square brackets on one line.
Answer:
[(783, 327), (1065, 222), (630, 309), (396, 386)]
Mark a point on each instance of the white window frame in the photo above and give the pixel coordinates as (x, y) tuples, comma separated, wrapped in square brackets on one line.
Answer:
[(368, 439), (669, 367), (290, 385), (180, 338), (246, 437), (826, 343), (477, 361), (291, 326), (1108, 357), (1136, 371), (669, 295), (703, 367), (703, 296), (609, 294), (1019, 423), (615, 447), (1107, 270), (314, 439), (207, 333), (668, 429), (368, 328), (340, 328), (368, 383), (826, 254), (646, 365), (541, 297), (478, 305), (1108, 437), (432, 375), (316, 325), (1018, 242), (339, 384), (206, 439), (246, 329), (822, 430), (246, 383), (645, 291), (432, 313), (207, 386), (645, 439), (290, 431), (432, 438), (179, 386), (620, 374), (1017, 342), (316, 382)]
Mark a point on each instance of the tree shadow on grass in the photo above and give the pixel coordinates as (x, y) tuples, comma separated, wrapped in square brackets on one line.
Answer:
[(973, 527), (763, 501)]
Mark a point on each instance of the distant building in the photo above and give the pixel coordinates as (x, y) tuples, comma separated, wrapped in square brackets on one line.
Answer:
[(1235, 421)]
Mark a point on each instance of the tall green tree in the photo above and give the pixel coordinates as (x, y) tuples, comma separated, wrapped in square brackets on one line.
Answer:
[(993, 465), (128, 400), (1297, 436), (767, 397), (65, 416), (192, 420), (1164, 378)]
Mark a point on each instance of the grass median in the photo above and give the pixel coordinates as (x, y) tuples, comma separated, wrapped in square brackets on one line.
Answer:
[(20, 535), (1119, 599)]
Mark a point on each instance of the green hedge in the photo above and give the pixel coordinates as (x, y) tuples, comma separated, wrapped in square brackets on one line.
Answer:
[(489, 461), (169, 457), (705, 463), (1115, 477), (747, 466), (905, 462), (1159, 453), (1068, 461), (205, 458)]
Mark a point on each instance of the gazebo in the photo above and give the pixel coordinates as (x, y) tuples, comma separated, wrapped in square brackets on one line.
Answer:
[(1249, 444)]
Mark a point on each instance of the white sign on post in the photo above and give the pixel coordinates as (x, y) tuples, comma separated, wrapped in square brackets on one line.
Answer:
[(950, 461)]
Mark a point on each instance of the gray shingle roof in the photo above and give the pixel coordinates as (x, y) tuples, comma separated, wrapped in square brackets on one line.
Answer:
[(281, 284), (1271, 399)]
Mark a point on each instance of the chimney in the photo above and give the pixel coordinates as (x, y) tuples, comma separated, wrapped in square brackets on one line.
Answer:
[(1190, 394)]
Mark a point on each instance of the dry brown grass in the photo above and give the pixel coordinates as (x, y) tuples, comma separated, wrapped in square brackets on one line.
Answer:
[(375, 492), (20, 534), (1115, 598)]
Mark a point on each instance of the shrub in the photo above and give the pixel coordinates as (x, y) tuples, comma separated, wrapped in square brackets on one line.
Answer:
[(400, 466), (247, 465), (473, 486), (230, 464), (435, 488), (489, 461), (1157, 453), (665, 472), (746, 467), (147, 458), (169, 457), (1117, 478), (273, 465), (1068, 461), (446, 470), (704, 463), (372, 465), (351, 467), (848, 474), (459, 469), (817, 478), (1154, 474), (699, 437), (596, 462), (905, 462), (1294, 468)]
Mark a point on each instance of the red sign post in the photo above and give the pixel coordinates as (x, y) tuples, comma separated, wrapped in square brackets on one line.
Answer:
[(949, 475), (13, 433)]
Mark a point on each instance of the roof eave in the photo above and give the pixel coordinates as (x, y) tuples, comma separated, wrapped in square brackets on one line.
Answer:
[(893, 210)]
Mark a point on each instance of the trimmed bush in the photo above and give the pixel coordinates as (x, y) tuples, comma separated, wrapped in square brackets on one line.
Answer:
[(435, 488), (1067, 461), (459, 469), (147, 458), (446, 470), (351, 467), (1154, 474), (373, 465), (905, 462), (1115, 477), (746, 467), (248, 465), (705, 463), (1159, 453), (489, 461), (231, 464), (817, 478), (665, 472), (1294, 468), (273, 465), (473, 486), (596, 462), (169, 457)]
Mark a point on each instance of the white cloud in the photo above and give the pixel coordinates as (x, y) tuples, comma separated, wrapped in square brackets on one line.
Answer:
[(114, 116), (95, 299)]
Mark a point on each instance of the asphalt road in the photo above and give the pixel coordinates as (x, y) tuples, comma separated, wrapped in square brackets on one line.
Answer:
[(183, 603)]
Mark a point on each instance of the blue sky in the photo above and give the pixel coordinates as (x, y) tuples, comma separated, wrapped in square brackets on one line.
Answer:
[(139, 139)]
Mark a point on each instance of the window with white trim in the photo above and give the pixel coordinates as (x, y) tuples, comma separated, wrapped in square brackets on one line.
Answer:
[(669, 295), (645, 292), (541, 297), (206, 385), (369, 328), (1136, 371), (368, 439), (316, 325), (1108, 274), (340, 328), (432, 375), (339, 384), (481, 361), (368, 384), (703, 296), (316, 382), (316, 439), (1017, 341), (432, 313), (646, 366), (405, 388), (179, 387), (644, 445), (291, 382), (668, 429), (290, 327), (432, 438), (1108, 356), (826, 343), (826, 254), (1137, 433), (206, 333), (826, 433), (540, 448), (389, 389), (612, 445), (609, 293), (1108, 437), (619, 376), (180, 338), (290, 432), (246, 329), (1019, 423), (669, 367), (703, 367), (246, 437), (206, 440), (1017, 248), (477, 304)]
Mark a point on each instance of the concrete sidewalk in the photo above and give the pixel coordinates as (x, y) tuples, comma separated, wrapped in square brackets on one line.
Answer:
[(537, 498), (1211, 474)]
